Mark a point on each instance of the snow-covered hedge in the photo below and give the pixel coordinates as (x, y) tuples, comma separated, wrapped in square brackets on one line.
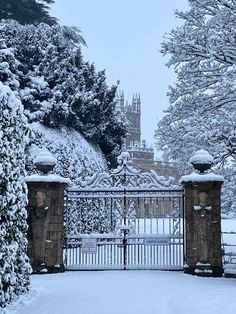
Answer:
[(76, 158), (14, 264)]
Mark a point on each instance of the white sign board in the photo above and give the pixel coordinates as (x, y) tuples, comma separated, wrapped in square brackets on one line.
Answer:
[(157, 241), (89, 246)]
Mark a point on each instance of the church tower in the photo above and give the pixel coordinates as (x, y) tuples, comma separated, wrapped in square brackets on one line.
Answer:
[(120, 99), (139, 151), (141, 154), (133, 115)]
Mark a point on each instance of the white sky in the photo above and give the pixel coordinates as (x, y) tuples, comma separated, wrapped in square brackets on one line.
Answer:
[(124, 37)]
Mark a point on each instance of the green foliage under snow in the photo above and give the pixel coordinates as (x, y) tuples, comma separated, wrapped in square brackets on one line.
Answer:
[(14, 264)]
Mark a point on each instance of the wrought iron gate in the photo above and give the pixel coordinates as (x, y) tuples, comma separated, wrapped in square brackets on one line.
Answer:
[(124, 219)]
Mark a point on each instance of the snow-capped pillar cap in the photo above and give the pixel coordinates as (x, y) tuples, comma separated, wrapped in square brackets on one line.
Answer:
[(49, 178), (202, 160), (205, 177), (45, 162)]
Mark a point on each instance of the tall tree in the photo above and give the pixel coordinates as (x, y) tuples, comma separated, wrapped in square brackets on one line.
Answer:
[(202, 102), (96, 114), (14, 264), (57, 88), (27, 11)]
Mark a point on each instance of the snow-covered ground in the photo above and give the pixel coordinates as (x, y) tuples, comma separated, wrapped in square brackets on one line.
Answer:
[(131, 292), (127, 292)]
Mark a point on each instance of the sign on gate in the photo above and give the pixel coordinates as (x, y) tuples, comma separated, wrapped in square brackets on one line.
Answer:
[(89, 246), (158, 241)]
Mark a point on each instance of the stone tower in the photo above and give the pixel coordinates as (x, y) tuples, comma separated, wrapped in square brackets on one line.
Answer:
[(139, 151), (141, 154), (133, 115)]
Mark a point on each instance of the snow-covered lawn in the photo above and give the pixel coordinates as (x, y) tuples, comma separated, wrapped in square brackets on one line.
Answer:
[(131, 292)]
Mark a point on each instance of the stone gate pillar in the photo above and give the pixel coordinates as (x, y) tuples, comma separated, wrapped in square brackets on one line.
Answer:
[(202, 190), (45, 217)]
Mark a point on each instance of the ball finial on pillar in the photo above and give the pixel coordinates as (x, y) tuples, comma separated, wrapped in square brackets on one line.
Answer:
[(45, 162), (202, 160)]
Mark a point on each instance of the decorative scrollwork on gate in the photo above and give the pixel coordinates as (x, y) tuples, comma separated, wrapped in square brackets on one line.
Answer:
[(127, 176), (143, 202)]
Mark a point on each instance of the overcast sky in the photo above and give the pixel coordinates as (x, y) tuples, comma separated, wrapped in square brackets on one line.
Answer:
[(124, 37)]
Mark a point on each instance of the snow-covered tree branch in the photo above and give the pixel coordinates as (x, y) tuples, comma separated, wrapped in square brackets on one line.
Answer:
[(202, 110)]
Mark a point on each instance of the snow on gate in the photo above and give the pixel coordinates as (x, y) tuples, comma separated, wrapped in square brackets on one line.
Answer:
[(124, 219)]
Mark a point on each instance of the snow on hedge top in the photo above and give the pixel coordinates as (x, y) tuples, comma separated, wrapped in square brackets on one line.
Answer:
[(76, 158), (206, 177), (45, 157), (202, 157)]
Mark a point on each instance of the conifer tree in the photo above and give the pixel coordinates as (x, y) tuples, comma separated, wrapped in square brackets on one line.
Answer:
[(96, 114), (27, 11), (14, 264), (58, 88)]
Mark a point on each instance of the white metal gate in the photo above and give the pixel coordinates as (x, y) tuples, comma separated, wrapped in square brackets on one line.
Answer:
[(124, 219)]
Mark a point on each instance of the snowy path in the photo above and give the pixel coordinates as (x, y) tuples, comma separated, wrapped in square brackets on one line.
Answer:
[(130, 292)]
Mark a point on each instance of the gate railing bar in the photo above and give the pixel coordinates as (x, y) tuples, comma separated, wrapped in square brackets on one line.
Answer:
[(130, 236), (127, 189), (121, 195)]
